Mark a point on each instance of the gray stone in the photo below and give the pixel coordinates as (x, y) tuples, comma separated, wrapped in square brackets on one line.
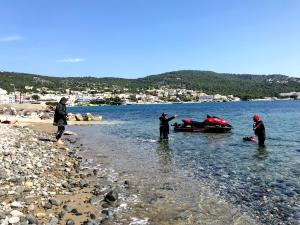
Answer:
[(83, 184), (47, 205), (70, 222), (24, 223), (31, 219), (61, 215), (53, 221), (111, 196), (107, 212), (67, 208), (54, 201), (19, 190), (2, 215), (94, 200)]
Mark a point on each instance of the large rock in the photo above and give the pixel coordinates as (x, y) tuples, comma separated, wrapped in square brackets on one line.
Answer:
[(9, 111), (88, 117), (13, 111), (97, 118), (44, 116), (71, 117), (78, 117), (34, 115)]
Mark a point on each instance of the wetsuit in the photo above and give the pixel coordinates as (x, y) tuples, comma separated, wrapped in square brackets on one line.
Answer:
[(164, 127), (60, 118), (259, 130)]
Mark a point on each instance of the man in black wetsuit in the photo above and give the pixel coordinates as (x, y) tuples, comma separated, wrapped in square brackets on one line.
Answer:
[(164, 126), (60, 118), (259, 130)]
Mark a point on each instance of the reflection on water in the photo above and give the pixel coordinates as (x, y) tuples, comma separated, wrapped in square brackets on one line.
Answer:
[(165, 154), (261, 153)]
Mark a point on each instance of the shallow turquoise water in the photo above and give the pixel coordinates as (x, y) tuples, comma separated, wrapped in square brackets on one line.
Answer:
[(262, 181)]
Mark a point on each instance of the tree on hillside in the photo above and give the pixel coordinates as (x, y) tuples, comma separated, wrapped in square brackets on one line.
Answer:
[(35, 97)]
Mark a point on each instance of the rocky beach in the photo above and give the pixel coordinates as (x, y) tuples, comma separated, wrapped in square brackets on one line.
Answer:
[(43, 183)]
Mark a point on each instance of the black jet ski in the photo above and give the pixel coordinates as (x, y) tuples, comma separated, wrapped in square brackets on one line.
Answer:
[(211, 124)]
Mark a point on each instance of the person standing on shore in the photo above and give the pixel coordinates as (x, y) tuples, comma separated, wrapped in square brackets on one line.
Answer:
[(164, 126), (60, 118), (259, 130)]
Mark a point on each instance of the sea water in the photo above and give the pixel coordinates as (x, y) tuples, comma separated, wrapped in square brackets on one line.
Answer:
[(262, 182)]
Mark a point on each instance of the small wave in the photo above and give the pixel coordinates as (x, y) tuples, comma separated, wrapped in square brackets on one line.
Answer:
[(145, 140), (112, 122), (136, 221)]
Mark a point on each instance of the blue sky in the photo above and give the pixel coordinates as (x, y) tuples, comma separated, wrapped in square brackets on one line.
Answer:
[(135, 38)]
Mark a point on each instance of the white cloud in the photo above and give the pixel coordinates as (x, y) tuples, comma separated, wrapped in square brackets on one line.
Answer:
[(10, 38), (71, 60)]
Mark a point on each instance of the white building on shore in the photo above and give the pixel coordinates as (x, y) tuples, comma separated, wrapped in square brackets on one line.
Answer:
[(5, 98)]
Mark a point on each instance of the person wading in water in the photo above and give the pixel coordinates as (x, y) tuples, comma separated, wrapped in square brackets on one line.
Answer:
[(164, 126), (259, 130), (60, 119)]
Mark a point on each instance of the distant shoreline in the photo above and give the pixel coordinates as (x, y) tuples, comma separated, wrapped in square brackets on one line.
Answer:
[(175, 103)]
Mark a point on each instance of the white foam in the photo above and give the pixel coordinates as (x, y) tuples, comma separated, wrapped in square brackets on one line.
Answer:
[(136, 221)]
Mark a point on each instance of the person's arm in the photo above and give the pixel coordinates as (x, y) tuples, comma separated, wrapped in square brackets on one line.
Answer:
[(171, 118), (257, 126)]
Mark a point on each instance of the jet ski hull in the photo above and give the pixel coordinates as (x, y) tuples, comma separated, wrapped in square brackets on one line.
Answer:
[(205, 129)]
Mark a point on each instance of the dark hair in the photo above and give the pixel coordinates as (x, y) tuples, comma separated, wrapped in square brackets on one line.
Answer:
[(63, 100)]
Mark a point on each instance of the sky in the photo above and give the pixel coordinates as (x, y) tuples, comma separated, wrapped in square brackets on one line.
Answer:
[(135, 38)]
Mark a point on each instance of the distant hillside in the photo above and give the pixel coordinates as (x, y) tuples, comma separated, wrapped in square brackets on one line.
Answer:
[(242, 85)]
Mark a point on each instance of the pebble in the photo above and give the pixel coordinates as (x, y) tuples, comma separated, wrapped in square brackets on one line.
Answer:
[(54, 201), (40, 215), (16, 213), (14, 220), (31, 219), (16, 205), (111, 196), (28, 184), (70, 222), (53, 221), (47, 205)]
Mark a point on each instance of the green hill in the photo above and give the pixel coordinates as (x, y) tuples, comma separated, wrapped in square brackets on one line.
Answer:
[(242, 85)]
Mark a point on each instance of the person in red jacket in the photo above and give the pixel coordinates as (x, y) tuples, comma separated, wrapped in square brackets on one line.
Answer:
[(259, 130)]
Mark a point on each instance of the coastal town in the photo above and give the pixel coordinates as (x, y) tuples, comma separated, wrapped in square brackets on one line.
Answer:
[(121, 97)]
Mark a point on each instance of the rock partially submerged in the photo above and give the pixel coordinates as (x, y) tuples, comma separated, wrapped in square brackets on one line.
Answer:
[(84, 117)]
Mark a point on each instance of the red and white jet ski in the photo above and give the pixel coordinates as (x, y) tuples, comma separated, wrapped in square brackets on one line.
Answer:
[(211, 124)]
